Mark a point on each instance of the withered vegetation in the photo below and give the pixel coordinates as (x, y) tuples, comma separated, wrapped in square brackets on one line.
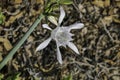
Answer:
[(98, 42)]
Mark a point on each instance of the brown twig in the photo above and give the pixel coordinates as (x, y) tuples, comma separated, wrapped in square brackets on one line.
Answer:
[(107, 30)]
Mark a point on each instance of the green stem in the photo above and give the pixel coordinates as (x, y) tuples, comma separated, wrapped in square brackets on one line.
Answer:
[(13, 51)]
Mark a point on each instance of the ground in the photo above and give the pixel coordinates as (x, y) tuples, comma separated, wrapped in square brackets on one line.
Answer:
[(98, 42)]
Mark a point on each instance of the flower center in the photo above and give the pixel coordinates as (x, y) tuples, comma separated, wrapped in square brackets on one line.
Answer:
[(62, 37)]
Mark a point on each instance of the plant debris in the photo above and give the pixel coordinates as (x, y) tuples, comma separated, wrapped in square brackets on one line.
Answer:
[(98, 42)]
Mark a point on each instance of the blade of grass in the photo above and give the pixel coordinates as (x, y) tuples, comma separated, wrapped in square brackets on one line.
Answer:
[(13, 51)]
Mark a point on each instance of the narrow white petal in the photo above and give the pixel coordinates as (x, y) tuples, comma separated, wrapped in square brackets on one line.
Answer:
[(62, 15), (59, 57), (76, 26), (46, 26), (71, 34), (43, 44), (73, 47), (53, 20)]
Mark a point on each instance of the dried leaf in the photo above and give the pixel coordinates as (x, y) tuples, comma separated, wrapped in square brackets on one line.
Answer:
[(18, 1), (118, 55), (101, 3), (116, 20), (13, 18), (107, 20), (40, 1), (105, 78), (1, 48), (1, 39), (107, 3), (15, 64), (110, 62), (98, 3), (6, 43), (118, 3), (115, 77)]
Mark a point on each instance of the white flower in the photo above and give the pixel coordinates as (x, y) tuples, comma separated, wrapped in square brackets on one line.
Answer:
[(61, 35)]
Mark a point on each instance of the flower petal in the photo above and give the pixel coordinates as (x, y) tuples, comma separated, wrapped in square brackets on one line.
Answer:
[(59, 57), (43, 44), (53, 20), (46, 26), (73, 47), (62, 15), (76, 26), (71, 34)]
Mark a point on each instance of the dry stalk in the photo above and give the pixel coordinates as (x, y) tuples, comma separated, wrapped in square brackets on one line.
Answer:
[(107, 31)]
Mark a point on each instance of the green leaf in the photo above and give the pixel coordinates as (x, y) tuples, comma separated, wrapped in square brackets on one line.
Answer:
[(67, 2), (14, 77), (69, 77), (52, 5), (17, 77), (1, 76), (2, 18)]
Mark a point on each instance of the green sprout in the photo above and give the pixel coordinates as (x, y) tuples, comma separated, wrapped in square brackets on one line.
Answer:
[(2, 18)]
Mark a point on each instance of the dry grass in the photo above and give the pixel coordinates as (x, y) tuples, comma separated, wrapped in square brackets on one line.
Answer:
[(98, 42)]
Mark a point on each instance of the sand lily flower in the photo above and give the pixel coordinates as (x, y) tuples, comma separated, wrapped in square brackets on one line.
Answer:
[(61, 34)]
